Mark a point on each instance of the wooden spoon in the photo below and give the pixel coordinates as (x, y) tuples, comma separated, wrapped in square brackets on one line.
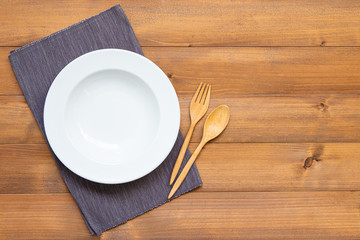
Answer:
[(215, 123)]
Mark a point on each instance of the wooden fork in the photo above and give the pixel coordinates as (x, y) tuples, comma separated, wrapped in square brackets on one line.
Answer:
[(198, 107), (214, 125)]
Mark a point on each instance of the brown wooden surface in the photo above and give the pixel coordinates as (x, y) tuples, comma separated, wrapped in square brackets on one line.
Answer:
[(199, 23), (206, 215), (244, 71), (289, 71), (226, 167)]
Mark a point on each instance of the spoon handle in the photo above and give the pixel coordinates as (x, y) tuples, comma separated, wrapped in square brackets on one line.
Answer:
[(186, 169), (182, 153)]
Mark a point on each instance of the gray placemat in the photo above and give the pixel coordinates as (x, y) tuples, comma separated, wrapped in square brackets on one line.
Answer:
[(36, 66)]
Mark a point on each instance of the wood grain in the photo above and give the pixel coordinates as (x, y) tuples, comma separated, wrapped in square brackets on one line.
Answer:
[(41, 217), (310, 118), (29, 169), (237, 72), (8, 83), (196, 23), (234, 72), (223, 167), (286, 215), (17, 124)]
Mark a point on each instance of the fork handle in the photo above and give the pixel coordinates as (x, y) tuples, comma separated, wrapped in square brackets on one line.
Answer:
[(182, 153), (186, 169)]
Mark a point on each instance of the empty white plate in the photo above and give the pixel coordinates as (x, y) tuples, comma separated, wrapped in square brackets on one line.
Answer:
[(111, 116)]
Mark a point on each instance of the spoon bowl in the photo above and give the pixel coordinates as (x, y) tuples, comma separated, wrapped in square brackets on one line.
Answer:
[(216, 122)]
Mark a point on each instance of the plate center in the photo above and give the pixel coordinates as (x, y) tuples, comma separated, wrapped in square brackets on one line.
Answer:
[(111, 116)]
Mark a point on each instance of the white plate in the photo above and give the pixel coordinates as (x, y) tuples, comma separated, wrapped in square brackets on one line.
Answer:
[(111, 116)]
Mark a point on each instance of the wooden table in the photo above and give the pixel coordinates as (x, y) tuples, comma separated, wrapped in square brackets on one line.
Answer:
[(289, 71)]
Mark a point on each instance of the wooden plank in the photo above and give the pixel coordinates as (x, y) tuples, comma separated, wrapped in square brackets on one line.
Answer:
[(41, 217), (235, 72), (223, 167), (17, 123), (8, 83), (199, 23), (272, 215), (312, 118), (29, 169), (279, 167), (244, 71)]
